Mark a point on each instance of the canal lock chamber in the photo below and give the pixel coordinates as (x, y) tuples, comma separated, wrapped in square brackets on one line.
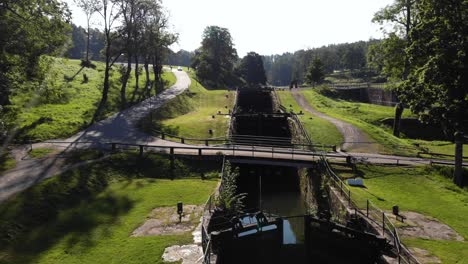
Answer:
[(286, 194)]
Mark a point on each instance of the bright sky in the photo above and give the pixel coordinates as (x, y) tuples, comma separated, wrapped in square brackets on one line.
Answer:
[(271, 26)]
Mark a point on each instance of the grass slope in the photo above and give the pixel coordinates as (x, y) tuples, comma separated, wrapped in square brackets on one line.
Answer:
[(6, 162), (368, 116), (61, 108), (425, 190), (190, 114), (87, 215), (320, 130)]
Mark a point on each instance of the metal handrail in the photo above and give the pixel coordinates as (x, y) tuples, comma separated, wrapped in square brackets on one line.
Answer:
[(391, 230)]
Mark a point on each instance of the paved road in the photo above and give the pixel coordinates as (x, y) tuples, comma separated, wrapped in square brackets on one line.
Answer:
[(120, 127), (350, 133)]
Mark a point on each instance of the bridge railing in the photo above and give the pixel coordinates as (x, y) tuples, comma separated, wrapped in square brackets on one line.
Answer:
[(378, 221)]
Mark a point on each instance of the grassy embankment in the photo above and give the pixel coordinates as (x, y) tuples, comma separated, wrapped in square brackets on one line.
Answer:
[(62, 108), (189, 115), (6, 162), (368, 117), (87, 215), (320, 130), (426, 190)]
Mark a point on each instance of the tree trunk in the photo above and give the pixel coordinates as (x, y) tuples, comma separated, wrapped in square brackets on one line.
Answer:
[(399, 108), (458, 172), (148, 81), (123, 90), (87, 43), (137, 76), (105, 89)]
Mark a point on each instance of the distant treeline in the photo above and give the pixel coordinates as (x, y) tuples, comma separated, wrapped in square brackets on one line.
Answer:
[(282, 69), (279, 69), (96, 44)]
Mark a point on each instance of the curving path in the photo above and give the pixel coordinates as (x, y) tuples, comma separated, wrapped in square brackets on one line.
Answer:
[(355, 139), (120, 127)]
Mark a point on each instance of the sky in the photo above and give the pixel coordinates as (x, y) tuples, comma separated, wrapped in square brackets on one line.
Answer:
[(270, 26)]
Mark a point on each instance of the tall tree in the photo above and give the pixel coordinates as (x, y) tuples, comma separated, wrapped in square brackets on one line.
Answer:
[(89, 7), (436, 88), (402, 17), (251, 69), (29, 29), (316, 73), (109, 14), (214, 60)]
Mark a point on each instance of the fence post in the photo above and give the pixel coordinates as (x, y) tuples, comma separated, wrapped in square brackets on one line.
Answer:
[(182, 140), (383, 224), (367, 212), (199, 152), (272, 152), (141, 150), (349, 197), (253, 152), (206, 142)]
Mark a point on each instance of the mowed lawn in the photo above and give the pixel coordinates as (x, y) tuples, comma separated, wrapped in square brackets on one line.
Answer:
[(320, 130), (424, 190), (87, 215), (190, 115), (368, 117), (61, 108)]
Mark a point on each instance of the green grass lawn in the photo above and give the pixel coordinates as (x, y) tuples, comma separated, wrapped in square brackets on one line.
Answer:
[(38, 153), (320, 130), (87, 215), (424, 190), (60, 109), (190, 115), (6, 162), (366, 117)]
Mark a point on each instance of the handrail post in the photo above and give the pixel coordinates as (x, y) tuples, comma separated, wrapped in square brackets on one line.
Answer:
[(367, 211), (383, 224), (349, 197)]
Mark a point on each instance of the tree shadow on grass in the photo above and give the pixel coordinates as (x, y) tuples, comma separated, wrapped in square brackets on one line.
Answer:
[(69, 206)]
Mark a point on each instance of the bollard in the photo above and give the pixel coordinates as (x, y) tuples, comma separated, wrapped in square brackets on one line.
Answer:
[(180, 210)]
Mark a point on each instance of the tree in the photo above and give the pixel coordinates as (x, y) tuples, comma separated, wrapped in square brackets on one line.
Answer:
[(89, 7), (214, 60), (228, 200), (316, 72), (109, 16), (402, 16), (251, 69), (29, 29), (436, 88)]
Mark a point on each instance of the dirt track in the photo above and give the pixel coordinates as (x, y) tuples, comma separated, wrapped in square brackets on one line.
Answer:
[(355, 139)]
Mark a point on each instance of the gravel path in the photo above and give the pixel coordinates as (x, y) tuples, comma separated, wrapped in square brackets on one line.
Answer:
[(355, 139), (120, 127)]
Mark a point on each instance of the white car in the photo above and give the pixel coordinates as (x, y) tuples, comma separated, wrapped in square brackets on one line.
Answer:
[(179, 68)]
